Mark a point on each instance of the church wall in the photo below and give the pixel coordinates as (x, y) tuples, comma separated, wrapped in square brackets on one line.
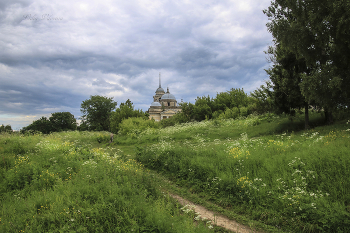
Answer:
[(156, 117), (161, 112)]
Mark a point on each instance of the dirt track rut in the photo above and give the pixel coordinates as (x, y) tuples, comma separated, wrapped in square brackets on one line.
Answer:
[(216, 219)]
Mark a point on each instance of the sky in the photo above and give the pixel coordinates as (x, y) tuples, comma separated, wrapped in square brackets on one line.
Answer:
[(56, 54)]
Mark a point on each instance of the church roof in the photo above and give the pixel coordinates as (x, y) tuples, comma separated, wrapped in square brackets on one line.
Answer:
[(168, 96), (156, 104), (160, 90)]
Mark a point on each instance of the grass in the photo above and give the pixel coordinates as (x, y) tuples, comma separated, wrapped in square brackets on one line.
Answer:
[(73, 182), (264, 171), (261, 168)]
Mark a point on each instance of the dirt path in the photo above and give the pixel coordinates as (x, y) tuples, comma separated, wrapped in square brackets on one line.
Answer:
[(215, 218)]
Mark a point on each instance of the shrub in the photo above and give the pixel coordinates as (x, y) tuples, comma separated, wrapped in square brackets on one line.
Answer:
[(136, 125)]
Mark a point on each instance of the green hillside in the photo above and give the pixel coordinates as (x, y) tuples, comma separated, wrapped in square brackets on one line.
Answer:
[(264, 171), (263, 168)]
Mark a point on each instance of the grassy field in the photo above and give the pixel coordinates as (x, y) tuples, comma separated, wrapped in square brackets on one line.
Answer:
[(69, 182), (264, 171), (264, 168)]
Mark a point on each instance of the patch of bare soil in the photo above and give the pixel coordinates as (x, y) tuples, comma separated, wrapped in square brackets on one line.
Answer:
[(216, 219)]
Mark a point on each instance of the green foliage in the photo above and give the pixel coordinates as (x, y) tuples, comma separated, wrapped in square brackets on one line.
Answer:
[(42, 125), (136, 125), (187, 111), (316, 31), (61, 183), (178, 118), (226, 105), (125, 111), (202, 108), (261, 99), (296, 181), (230, 113), (285, 76), (96, 112), (63, 121), (59, 121), (6, 128)]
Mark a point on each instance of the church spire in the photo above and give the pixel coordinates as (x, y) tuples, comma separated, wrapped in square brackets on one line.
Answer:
[(159, 81)]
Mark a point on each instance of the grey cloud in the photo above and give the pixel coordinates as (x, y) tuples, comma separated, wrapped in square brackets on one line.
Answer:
[(118, 49), (35, 97)]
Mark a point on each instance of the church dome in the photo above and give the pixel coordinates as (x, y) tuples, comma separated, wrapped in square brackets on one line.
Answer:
[(160, 90), (156, 104), (168, 96)]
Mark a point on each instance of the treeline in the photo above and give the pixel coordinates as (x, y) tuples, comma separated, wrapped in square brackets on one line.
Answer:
[(59, 121), (5, 128), (101, 113), (310, 55), (225, 105)]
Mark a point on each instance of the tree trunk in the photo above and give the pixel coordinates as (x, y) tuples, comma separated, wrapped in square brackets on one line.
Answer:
[(329, 117), (307, 116)]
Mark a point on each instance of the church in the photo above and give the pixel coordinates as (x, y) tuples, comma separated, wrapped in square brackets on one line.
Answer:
[(164, 105)]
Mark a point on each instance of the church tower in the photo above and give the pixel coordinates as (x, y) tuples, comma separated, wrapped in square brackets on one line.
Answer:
[(164, 104), (159, 92)]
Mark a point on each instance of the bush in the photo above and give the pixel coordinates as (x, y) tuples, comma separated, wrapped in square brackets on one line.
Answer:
[(244, 111), (136, 125), (178, 118), (230, 113)]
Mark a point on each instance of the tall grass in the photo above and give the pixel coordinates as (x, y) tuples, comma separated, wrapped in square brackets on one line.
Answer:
[(296, 181), (73, 182)]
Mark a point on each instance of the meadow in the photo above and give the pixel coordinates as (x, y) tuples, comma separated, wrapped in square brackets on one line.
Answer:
[(263, 170), (76, 182), (262, 167)]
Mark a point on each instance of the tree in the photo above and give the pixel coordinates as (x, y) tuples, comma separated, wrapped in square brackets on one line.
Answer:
[(285, 75), (262, 99), (6, 128), (97, 111), (236, 97), (42, 125), (125, 111), (319, 32), (202, 108), (187, 111), (63, 121)]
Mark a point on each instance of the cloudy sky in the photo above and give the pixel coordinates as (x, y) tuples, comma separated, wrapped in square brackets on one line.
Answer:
[(56, 54)]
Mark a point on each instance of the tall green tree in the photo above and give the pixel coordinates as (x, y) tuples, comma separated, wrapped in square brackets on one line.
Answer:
[(187, 111), (285, 76), (125, 111), (6, 128), (236, 97), (63, 121), (43, 125), (202, 108), (97, 111), (262, 99), (319, 32)]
